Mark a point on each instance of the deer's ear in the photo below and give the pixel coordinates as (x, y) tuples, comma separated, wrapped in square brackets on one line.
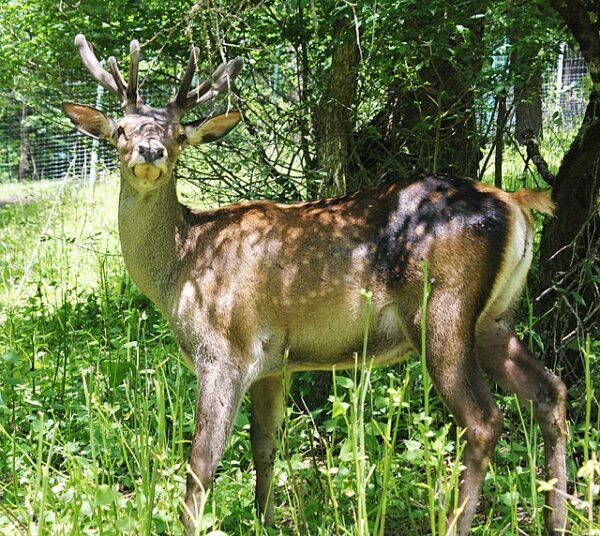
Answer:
[(213, 129), (89, 120)]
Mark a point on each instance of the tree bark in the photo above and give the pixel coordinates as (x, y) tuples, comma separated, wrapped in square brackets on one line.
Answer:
[(333, 118), (499, 143), (569, 245), (528, 107), (527, 71)]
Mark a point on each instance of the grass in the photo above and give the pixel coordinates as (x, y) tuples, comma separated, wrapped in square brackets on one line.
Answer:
[(96, 413)]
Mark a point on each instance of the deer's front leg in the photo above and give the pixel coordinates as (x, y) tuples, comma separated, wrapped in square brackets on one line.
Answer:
[(221, 388), (268, 409)]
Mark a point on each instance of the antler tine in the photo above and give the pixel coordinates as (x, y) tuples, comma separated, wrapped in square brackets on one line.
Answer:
[(118, 77), (209, 89), (186, 81), (132, 86), (93, 65)]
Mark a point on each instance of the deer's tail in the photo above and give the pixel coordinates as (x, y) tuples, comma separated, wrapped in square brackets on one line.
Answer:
[(539, 200)]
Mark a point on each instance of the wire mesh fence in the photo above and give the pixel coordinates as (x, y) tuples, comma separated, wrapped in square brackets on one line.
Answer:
[(37, 142), (565, 91)]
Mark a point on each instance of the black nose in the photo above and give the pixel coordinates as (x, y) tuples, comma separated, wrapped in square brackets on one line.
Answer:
[(150, 155)]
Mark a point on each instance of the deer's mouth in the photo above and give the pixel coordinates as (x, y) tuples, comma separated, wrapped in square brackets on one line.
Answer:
[(149, 172)]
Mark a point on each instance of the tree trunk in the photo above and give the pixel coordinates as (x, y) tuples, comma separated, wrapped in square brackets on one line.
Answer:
[(570, 241), (499, 143), (527, 71), (333, 118), (24, 146), (528, 107), (454, 145), (433, 127)]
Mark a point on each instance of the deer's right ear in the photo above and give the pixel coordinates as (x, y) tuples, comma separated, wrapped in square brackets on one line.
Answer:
[(89, 120)]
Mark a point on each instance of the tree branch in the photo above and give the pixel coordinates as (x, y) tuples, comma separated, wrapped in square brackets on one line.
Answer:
[(533, 154)]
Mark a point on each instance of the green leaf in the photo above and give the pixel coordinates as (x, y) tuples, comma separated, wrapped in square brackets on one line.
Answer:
[(344, 382), (412, 445), (339, 407), (241, 420), (105, 495), (346, 450), (509, 498), (10, 357)]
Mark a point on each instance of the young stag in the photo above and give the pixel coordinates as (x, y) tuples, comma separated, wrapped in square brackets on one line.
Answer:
[(257, 290)]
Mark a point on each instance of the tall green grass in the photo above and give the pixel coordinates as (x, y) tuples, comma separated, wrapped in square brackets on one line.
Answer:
[(96, 414)]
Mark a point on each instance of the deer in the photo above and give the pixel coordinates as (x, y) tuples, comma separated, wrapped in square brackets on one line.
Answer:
[(258, 290)]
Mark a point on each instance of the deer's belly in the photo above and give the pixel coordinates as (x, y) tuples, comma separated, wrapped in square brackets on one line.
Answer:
[(389, 357), (340, 342)]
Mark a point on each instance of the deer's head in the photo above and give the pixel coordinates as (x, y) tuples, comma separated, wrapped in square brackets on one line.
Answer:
[(150, 140)]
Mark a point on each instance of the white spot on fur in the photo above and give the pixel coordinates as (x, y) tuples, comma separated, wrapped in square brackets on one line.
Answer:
[(187, 298), (389, 320), (360, 252)]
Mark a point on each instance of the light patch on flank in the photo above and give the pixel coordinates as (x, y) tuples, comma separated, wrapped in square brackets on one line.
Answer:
[(389, 320), (288, 279), (259, 342), (225, 301), (187, 298), (360, 252), (516, 260)]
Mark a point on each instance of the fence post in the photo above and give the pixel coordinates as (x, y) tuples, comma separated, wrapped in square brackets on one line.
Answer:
[(559, 78)]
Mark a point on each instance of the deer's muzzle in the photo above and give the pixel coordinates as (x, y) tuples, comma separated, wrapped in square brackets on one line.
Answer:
[(149, 161), (147, 171)]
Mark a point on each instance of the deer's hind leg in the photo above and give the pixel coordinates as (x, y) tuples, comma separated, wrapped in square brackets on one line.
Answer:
[(508, 362), (268, 410), (460, 383)]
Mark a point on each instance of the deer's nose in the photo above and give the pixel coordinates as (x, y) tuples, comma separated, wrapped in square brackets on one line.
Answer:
[(150, 154)]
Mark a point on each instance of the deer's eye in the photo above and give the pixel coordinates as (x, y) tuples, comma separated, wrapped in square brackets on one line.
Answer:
[(121, 132), (182, 138)]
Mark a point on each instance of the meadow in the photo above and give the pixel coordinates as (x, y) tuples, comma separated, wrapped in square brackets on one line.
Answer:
[(97, 411)]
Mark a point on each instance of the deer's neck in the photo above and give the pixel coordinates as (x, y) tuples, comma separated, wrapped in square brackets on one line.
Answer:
[(151, 228)]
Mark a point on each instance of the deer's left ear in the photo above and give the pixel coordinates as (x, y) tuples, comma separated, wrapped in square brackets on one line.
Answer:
[(89, 120), (213, 129)]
